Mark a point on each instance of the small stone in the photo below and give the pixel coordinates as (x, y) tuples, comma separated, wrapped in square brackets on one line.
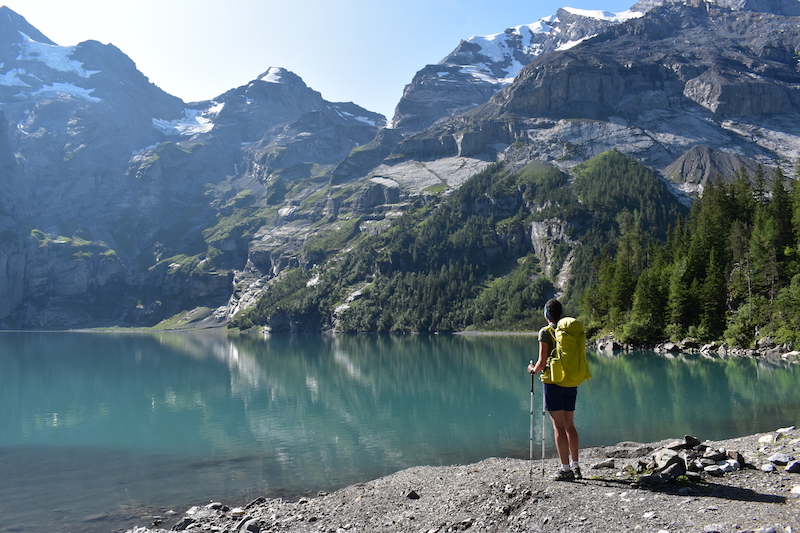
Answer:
[(252, 525), (736, 456), (766, 439), (714, 470), (608, 463), (729, 466), (714, 455), (793, 467), (694, 477), (780, 459), (183, 524), (412, 495), (796, 489), (691, 441), (673, 471), (768, 467), (714, 528)]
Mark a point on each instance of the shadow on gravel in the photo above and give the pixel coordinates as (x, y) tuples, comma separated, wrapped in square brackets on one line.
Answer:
[(705, 489)]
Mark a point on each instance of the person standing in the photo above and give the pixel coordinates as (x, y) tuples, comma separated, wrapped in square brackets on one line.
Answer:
[(559, 401)]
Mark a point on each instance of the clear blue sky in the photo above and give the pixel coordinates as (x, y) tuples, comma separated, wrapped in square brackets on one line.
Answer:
[(364, 51)]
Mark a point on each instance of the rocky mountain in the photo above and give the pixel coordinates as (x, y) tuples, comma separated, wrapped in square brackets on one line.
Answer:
[(121, 204), (482, 65), (705, 75), (107, 184)]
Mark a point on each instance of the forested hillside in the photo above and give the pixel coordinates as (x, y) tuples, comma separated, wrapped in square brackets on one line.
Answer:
[(467, 261), (729, 272)]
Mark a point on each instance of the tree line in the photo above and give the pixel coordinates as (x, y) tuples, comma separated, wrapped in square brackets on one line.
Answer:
[(727, 272)]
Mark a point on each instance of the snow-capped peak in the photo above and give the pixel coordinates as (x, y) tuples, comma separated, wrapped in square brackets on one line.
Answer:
[(604, 15), (273, 75), (500, 57)]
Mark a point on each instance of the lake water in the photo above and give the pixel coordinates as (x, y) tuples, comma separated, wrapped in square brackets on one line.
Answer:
[(98, 430)]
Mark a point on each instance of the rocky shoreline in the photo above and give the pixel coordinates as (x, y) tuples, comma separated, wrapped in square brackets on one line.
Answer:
[(765, 347), (747, 484)]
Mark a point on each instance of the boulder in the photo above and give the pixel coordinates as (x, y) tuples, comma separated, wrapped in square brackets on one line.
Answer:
[(665, 457)]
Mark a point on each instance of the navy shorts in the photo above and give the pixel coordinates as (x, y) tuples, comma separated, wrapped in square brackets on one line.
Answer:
[(558, 398)]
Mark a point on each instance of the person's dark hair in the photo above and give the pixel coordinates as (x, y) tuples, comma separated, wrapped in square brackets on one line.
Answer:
[(553, 310)]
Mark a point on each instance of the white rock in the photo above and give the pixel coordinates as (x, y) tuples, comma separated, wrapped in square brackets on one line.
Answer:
[(729, 466)]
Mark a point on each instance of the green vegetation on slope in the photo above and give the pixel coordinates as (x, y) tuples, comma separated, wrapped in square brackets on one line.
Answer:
[(731, 271), (466, 261)]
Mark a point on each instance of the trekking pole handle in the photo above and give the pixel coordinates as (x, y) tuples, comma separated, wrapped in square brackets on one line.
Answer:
[(532, 376)]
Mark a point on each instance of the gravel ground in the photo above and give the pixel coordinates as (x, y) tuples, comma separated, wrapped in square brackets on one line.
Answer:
[(509, 495)]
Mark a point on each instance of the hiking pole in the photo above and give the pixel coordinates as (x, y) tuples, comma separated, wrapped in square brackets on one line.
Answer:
[(531, 438), (542, 434)]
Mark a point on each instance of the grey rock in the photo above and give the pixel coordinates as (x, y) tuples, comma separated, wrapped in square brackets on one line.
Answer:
[(252, 525), (793, 467), (780, 459), (673, 471), (608, 463), (665, 457), (714, 455), (183, 524)]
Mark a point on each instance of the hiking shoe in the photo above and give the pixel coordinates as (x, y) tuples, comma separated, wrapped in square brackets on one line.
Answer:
[(577, 472), (564, 476)]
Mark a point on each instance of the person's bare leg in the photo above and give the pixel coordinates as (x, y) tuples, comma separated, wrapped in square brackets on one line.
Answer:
[(560, 436), (566, 436)]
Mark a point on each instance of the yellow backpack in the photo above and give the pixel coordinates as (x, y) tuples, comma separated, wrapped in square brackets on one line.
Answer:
[(567, 365)]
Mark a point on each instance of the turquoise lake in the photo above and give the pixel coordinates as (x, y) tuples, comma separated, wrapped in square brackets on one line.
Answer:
[(99, 430)]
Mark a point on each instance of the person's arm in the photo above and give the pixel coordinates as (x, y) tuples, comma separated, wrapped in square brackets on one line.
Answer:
[(541, 363), (544, 353)]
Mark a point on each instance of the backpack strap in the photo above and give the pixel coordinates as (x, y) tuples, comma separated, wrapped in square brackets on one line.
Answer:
[(552, 331)]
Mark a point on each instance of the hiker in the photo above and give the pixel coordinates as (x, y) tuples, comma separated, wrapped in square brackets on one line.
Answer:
[(558, 401)]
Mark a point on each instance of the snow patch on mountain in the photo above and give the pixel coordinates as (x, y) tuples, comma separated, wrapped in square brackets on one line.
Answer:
[(497, 46), (194, 121), (53, 56), (604, 15), (365, 120), (507, 53), (12, 79), (66, 90)]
